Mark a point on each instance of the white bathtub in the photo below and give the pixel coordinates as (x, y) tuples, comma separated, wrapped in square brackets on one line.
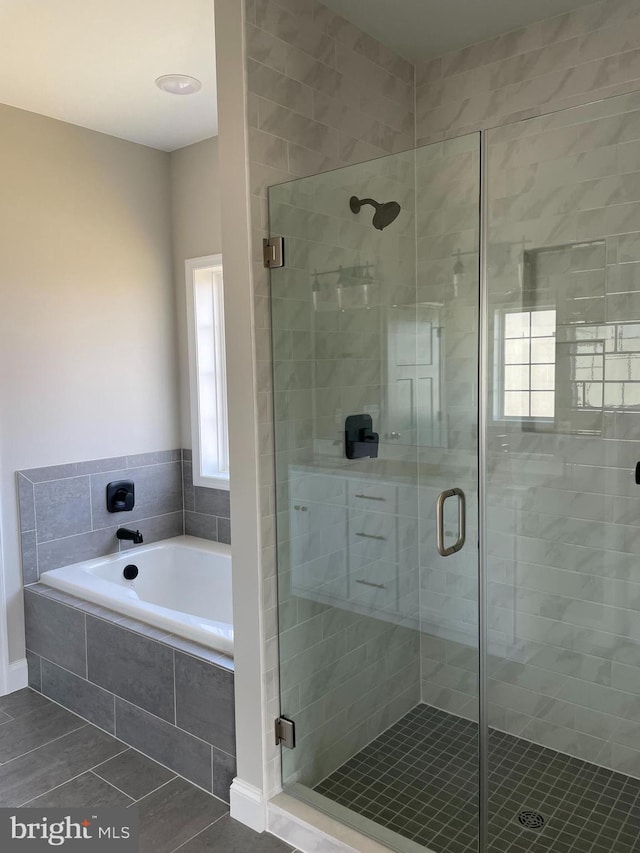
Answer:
[(183, 587)]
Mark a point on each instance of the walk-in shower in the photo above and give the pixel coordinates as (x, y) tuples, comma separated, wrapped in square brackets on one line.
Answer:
[(460, 613)]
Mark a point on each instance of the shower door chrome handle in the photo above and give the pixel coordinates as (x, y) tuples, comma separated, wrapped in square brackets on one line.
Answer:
[(462, 521)]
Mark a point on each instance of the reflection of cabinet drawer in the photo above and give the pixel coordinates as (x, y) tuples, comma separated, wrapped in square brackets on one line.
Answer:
[(370, 496), (372, 536), (375, 584)]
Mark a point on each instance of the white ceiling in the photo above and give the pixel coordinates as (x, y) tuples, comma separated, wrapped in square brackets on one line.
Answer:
[(422, 29), (94, 63)]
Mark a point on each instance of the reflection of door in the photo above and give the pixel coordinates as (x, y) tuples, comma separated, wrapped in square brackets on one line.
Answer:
[(414, 376)]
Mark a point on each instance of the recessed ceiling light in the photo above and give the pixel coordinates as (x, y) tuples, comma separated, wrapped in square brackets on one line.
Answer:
[(178, 84)]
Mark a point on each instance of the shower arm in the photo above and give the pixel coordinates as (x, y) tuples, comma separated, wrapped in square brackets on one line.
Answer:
[(370, 201)]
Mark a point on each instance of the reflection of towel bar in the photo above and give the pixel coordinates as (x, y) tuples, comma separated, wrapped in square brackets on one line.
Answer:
[(370, 498), (376, 585), (371, 536)]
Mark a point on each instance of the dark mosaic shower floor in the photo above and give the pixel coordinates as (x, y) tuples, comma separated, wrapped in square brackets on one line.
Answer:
[(420, 779)]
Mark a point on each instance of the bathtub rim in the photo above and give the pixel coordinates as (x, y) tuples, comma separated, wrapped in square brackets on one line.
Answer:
[(136, 626), (135, 613)]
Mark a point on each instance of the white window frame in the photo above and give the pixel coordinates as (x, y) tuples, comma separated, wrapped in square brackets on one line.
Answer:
[(218, 476), (500, 366)]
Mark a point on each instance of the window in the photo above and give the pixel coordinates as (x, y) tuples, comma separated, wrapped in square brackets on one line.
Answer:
[(528, 361), (207, 373)]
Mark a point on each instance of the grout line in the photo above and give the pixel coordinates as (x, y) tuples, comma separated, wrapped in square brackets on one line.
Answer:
[(53, 740), (107, 782), (175, 694), (213, 823), (155, 790), (73, 778)]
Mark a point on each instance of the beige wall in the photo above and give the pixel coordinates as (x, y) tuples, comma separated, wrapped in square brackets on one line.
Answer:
[(87, 308), (195, 214)]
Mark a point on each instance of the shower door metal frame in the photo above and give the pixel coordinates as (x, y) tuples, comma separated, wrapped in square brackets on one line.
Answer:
[(483, 397)]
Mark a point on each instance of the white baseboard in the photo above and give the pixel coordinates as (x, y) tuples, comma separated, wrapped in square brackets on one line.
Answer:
[(247, 805), (17, 675)]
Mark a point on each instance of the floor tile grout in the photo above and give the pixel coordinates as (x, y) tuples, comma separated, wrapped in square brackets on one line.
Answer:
[(42, 745), (213, 823), (72, 779), (420, 780)]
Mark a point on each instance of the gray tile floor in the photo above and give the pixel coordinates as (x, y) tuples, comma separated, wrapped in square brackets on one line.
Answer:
[(50, 757), (420, 779)]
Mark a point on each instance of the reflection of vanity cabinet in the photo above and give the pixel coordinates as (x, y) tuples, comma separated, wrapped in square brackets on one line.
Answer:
[(354, 542)]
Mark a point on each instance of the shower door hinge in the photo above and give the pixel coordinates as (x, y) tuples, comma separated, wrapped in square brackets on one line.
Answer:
[(285, 733), (273, 249)]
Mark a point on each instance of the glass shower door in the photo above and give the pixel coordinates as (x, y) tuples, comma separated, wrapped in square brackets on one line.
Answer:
[(375, 324), (563, 504)]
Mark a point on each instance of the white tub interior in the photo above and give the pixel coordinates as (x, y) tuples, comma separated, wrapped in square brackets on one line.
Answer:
[(183, 586)]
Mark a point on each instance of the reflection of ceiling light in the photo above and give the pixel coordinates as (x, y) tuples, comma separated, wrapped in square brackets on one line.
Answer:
[(178, 84)]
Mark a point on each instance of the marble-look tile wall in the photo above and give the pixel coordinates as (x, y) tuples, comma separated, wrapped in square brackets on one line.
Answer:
[(574, 58), (448, 219), (343, 309), (563, 527), (321, 94), (64, 518)]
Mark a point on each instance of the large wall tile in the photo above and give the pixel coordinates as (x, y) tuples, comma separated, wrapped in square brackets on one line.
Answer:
[(187, 755), (56, 632), (76, 549), (133, 667), (79, 695), (29, 557), (63, 508), (158, 490), (205, 704), (26, 502)]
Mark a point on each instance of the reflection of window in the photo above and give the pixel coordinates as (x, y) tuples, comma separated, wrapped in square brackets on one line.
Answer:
[(205, 318), (528, 364)]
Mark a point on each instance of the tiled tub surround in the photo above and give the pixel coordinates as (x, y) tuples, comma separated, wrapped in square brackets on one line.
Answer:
[(170, 699), (182, 586), (63, 515), (206, 511)]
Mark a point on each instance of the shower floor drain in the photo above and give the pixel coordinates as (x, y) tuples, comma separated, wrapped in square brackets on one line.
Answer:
[(531, 820)]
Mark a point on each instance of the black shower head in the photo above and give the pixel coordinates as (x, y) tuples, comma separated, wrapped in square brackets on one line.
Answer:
[(385, 213)]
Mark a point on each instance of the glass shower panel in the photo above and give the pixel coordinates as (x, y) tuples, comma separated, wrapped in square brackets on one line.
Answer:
[(377, 637), (563, 510)]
